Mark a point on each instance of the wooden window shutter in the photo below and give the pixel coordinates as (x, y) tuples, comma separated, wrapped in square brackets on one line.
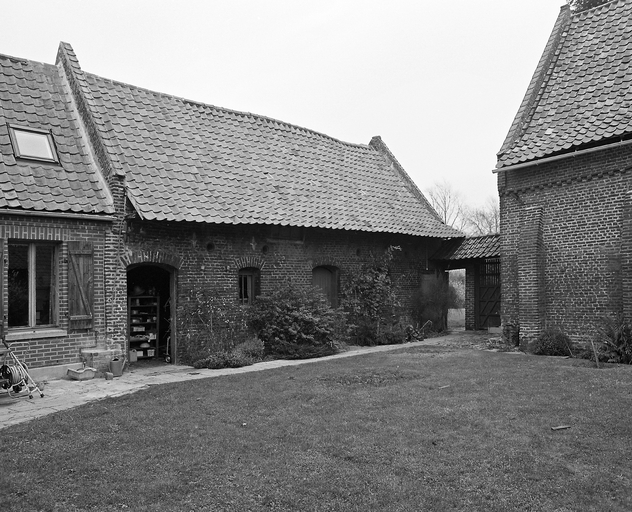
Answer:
[(80, 284)]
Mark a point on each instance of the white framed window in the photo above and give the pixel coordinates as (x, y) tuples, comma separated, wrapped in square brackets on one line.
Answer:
[(32, 284), (33, 144)]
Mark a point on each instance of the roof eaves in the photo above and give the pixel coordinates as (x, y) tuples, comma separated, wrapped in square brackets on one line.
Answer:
[(572, 152), (470, 248)]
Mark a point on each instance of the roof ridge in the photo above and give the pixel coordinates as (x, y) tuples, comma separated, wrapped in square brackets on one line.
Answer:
[(69, 65), (15, 59), (85, 136), (538, 81), (230, 111), (580, 13), (27, 61)]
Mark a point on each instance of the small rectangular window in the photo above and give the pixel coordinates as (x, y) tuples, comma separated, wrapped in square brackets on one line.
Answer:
[(33, 144), (32, 282), (248, 285)]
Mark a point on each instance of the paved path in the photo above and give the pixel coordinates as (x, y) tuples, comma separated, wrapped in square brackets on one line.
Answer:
[(65, 394)]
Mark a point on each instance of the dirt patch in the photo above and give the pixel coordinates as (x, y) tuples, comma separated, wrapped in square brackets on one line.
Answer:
[(477, 340), (376, 377)]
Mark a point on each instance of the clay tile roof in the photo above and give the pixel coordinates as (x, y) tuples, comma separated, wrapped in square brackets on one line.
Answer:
[(32, 95), (475, 247), (188, 161), (581, 92)]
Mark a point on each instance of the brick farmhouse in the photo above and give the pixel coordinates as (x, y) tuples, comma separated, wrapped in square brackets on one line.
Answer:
[(116, 198), (564, 181)]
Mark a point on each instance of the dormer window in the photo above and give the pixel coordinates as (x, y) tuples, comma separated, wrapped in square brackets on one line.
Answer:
[(33, 144)]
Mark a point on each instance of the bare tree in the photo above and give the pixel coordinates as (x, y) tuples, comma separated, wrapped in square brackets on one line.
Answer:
[(484, 220), (448, 204)]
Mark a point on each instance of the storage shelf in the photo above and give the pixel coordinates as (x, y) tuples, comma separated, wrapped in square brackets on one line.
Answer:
[(143, 325)]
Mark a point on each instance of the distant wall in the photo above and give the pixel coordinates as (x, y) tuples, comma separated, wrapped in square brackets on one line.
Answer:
[(211, 255)]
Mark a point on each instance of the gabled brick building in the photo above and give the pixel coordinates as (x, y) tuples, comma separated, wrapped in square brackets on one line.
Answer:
[(564, 181), (56, 219), (188, 195)]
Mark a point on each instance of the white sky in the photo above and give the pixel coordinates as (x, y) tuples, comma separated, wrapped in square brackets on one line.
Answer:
[(439, 81)]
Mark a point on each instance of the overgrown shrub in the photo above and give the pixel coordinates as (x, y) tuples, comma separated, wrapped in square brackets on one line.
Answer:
[(432, 302), (552, 342), (614, 338), (394, 336), (295, 323), (369, 298), (511, 332), (244, 354), (210, 323)]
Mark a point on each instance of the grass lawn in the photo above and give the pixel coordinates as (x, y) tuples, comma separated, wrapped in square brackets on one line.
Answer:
[(418, 429)]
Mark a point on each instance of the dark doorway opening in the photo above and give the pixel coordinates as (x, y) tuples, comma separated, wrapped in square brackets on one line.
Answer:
[(149, 311)]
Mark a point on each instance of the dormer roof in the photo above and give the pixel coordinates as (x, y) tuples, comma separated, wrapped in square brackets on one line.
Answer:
[(34, 96)]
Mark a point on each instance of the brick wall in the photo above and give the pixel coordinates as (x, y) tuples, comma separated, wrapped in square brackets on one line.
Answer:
[(563, 253), (37, 352), (210, 256)]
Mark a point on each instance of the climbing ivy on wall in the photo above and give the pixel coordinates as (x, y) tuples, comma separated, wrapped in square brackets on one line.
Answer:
[(369, 297)]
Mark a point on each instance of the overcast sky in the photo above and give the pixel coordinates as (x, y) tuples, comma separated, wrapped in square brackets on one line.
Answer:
[(439, 81)]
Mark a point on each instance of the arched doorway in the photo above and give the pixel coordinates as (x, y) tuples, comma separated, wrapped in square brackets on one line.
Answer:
[(150, 292)]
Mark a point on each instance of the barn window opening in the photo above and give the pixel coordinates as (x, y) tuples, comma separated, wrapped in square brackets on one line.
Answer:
[(326, 278), (248, 285), (33, 144), (32, 279)]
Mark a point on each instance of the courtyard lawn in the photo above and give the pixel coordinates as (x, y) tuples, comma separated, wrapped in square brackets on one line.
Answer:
[(417, 429)]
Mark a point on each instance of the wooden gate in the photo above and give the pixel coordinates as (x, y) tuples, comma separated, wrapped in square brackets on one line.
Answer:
[(488, 293)]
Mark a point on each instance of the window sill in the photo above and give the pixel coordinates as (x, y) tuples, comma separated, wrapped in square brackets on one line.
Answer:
[(30, 334)]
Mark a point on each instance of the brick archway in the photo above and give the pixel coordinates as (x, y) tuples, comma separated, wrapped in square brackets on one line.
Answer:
[(155, 257), (249, 262)]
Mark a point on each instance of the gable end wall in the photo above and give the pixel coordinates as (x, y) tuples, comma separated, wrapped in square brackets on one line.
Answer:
[(584, 242)]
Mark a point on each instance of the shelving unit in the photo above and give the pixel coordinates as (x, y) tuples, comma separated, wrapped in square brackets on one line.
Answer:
[(144, 316)]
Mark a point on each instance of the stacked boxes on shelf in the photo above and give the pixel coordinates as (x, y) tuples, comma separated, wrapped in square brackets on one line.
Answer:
[(143, 314)]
